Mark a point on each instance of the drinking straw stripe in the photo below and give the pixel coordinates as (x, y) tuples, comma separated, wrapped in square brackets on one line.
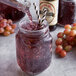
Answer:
[(36, 12), (44, 15), (45, 12)]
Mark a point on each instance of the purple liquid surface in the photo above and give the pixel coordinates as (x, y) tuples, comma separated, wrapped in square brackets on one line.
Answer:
[(33, 26), (33, 56), (67, 12), (9, 12)]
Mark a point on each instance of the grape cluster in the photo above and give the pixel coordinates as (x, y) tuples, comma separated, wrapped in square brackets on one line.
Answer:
[(6, 27), (66, 40)]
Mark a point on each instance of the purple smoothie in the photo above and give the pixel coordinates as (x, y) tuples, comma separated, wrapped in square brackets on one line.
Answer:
[(33, 48)]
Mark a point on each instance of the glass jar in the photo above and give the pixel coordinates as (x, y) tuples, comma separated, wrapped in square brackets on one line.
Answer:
[(9, 12), (34, 49), (67, 12)]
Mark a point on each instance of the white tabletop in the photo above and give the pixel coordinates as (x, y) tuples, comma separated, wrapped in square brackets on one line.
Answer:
[(59, 66)]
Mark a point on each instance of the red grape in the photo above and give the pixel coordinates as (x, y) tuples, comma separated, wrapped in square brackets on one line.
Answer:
[(12, 31), (66, 40), (69, 38), (72, 33), (65, 43), (63, 53), (4, 20), (10, 21), (3, 24), (68, 48), (72, 43), (8, 28), (1, 30), (67, 31), (74, 28), (6, 33), (13, 26), (59, 41), (58, 48), (67, 26), (60, 35)]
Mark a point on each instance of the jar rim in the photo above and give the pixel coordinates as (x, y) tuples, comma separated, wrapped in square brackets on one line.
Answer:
[(32, 31)]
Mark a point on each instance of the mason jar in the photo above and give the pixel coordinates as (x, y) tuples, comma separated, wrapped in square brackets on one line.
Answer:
[(33, 48)]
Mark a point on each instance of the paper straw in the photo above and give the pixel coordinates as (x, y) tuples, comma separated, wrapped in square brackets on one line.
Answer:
[(38, 17), (44, 15)]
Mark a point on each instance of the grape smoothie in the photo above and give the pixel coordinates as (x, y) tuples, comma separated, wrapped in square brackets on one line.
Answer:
[(33, 47)]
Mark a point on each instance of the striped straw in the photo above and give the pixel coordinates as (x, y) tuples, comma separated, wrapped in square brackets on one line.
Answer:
[(44, 15), (38, 17)]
